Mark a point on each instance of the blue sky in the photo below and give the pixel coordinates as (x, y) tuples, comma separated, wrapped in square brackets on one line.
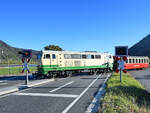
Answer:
[(76, 25)]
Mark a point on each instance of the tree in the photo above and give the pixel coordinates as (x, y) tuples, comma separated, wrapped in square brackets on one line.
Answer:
[(53, 47)]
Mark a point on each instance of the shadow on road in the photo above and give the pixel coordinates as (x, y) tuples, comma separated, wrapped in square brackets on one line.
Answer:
[(23, 77)]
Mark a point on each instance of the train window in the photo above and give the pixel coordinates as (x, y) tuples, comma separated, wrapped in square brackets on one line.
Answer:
[(53, 56), (92, 56), (139, 61), (110, 56), (142, 61), (75, 56), (97, 56), (84, 56), (136, 60), (133, 61), (67, 56), (88, 56), (129, 60), (46, 56)]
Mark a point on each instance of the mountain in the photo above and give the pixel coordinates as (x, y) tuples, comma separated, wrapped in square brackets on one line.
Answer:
[(142, 48), (11, 53)]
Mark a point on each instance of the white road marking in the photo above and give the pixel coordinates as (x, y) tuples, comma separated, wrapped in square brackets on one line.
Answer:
[(60, 87), (70, 105), (3, 83), (46, 95), (93, 107)]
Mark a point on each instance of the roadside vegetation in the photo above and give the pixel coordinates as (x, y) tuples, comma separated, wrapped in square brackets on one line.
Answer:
[(14, 70), (128, 97)]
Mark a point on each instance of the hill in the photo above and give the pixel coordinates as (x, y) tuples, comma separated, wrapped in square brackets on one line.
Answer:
[(11, 53), (142, 48)]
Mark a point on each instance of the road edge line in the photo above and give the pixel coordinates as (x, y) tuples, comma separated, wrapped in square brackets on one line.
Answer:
[(95, 104), (85, 90)]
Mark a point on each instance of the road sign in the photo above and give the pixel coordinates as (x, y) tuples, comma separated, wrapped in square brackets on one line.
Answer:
[(121, 50), (121, 62), (25, 66)]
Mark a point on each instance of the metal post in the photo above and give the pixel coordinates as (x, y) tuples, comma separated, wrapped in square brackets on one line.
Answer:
[(27, 80), (120, 76), (8, 64)]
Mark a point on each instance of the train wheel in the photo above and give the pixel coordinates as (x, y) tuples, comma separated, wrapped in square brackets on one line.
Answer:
[(50, 75)]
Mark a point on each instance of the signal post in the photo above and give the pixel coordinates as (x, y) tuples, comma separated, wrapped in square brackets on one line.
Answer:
[(26, 56), (121, 53)]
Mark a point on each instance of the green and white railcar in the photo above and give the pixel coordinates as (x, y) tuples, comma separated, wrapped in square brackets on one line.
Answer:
[(61, 63)]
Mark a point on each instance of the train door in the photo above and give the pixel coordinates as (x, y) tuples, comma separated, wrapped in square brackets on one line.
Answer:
[(46, 59), (54, 60)]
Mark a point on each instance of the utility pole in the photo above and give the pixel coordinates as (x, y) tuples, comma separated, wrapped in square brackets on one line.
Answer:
[(8, 64)]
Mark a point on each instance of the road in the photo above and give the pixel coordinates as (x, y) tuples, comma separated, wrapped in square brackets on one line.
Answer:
[(65, 95), (143, 76), (13, 80)]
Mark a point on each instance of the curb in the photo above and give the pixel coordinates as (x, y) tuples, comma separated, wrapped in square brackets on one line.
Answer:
[(95, 104), (22, 87)]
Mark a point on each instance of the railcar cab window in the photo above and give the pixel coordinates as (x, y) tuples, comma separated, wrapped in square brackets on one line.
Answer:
[(84, 56), (97, 56), (92, 56), (46, 56), (110, 56), (67, 56), (53, 56), (147, 61)]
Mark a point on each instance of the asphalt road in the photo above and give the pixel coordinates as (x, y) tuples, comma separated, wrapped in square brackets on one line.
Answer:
[(143, 76), (66, 95), (13, 80)]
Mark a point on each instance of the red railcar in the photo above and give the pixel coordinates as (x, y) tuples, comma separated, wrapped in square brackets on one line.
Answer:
[(136, 62)]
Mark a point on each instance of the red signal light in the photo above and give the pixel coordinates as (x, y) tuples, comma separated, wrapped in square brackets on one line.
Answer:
[(124, 58), (117, 58), (114, 57), (125, 71), (22, 60), (117, 70)]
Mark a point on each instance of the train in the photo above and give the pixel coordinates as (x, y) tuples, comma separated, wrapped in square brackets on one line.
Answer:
[(133, 62), (65, 63)]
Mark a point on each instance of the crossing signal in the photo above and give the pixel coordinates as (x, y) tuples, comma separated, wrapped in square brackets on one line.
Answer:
[(121, 50), (25, 53)]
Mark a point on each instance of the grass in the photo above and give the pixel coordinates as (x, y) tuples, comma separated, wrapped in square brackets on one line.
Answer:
[(14, 70), (128, 97)]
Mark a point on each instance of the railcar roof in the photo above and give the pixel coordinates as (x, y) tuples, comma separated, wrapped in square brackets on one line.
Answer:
[(72, 52), (137, 57)]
